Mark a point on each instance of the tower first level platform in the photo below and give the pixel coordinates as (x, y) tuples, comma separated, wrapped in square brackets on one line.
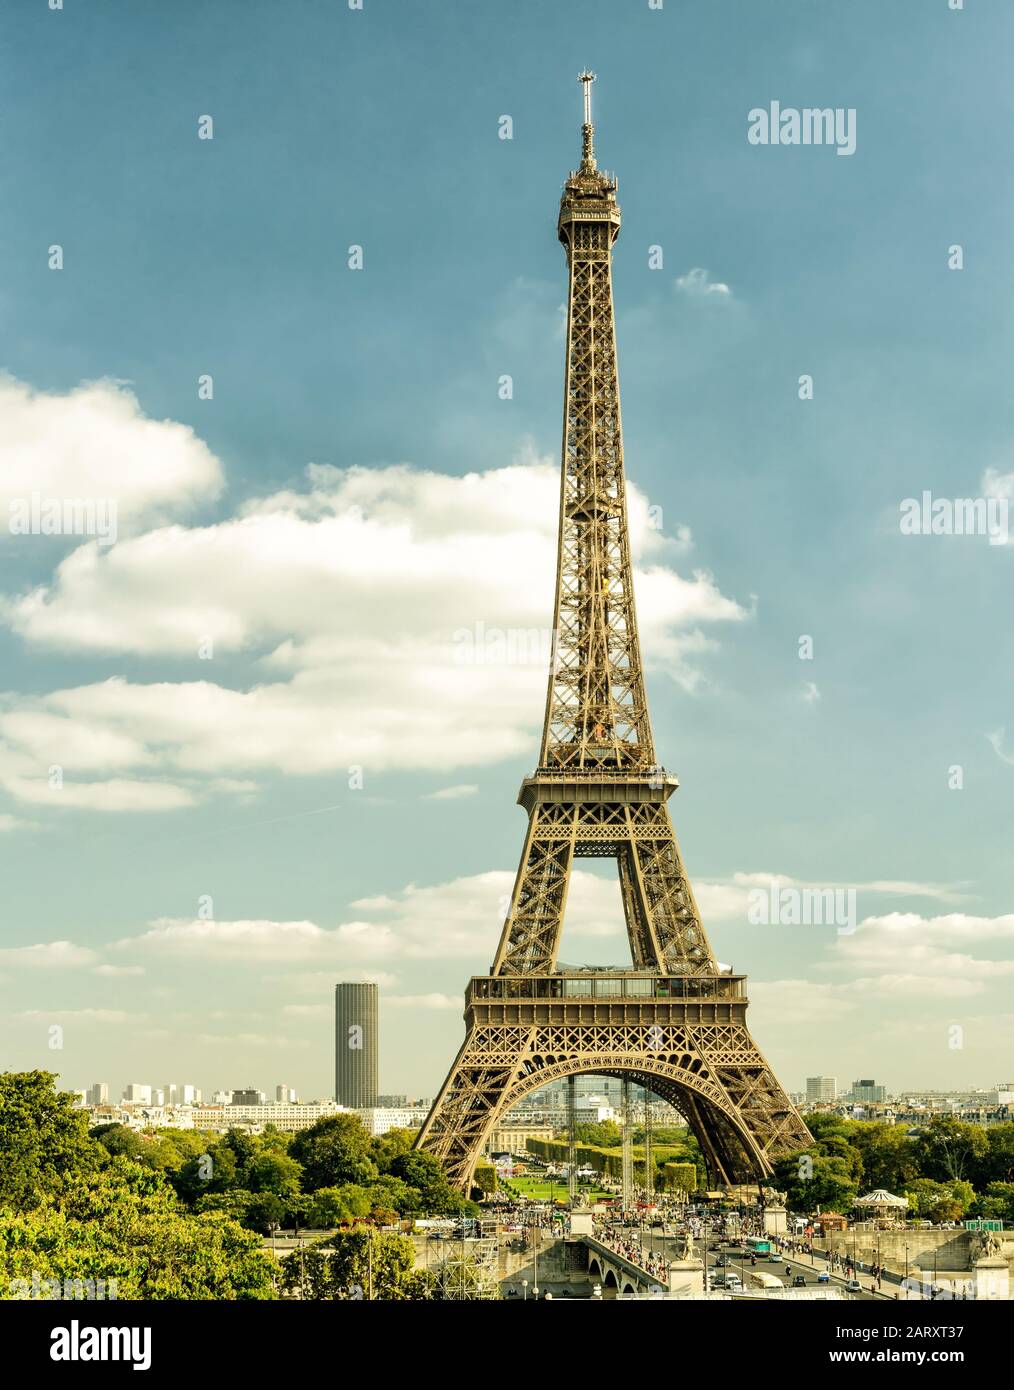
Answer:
[(684, 1039)]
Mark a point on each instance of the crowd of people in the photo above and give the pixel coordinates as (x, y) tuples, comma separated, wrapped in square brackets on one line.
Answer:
[(630, 1249)]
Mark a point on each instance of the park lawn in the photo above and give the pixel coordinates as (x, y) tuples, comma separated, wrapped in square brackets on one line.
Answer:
[(544, 1190)]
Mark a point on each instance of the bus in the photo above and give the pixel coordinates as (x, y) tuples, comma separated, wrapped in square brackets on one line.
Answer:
[(765, 1281), (755, 1246)]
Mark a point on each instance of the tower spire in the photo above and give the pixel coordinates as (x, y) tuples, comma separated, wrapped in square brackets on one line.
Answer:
[(586, 78)]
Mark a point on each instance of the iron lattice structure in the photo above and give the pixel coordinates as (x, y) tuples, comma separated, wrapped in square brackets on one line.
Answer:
[(674, 1023), (470, 1274)]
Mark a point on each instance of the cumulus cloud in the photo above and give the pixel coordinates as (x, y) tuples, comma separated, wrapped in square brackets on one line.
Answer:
[(907, 954), (374, 604), (49, 955), (96, 442)]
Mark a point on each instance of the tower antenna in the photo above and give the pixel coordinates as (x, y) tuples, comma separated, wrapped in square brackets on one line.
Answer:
[(586, 78)]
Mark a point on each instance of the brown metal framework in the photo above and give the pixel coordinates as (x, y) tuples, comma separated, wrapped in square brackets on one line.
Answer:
[(674, 1024)]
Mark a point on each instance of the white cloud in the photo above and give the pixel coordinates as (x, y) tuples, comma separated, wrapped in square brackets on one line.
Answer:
[(248, 941), (452, 793), (49, 955), (115, 794), (80, 1015), (996, 741), (730, 901), (95, 442), (698, 283), (906, 954), (460, 919), (354, 595)]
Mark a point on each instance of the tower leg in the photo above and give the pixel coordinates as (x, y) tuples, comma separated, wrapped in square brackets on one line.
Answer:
[(572, 1138), (649, 1170), (627, 1159)]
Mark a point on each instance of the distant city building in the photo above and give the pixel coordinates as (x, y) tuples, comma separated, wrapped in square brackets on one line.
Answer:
[(392, 1102), (221, 1098), (821, 1088), (511, 1138), (248, 1097), (181, 1094), (98, 1094), (135, 1093), (286, 1117), (356, 1046), (378, 1120), (866, 1092), (285, 1095)]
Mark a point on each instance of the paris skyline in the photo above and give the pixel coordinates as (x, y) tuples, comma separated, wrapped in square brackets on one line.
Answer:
[(280, 764)]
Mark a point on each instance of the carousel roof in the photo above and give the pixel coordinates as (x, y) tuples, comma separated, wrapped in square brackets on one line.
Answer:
[(880, 1197)]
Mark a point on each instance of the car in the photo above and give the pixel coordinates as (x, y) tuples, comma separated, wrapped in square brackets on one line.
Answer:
[(733, 1281), (774, 1258), (823, 1277), (853, 1286), (799, 1282)]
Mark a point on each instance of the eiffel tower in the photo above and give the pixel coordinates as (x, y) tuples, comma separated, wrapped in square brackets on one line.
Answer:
[(675, 1023)]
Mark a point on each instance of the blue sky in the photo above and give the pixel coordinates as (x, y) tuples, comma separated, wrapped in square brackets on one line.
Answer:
[(332, 598)]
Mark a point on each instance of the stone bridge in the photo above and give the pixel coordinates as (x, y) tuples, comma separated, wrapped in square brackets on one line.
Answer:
[(619, 1275)]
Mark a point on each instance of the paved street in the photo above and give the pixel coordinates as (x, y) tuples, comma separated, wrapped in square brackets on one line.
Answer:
[(739, 1261)]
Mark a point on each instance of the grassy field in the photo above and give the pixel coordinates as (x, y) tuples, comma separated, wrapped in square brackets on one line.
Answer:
[(544, 1190)]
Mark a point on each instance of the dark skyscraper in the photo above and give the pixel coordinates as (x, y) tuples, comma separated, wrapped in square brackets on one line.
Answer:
[(355, 1045)]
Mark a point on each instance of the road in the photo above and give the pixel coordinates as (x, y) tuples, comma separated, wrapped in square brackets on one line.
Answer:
[(739, 1261)]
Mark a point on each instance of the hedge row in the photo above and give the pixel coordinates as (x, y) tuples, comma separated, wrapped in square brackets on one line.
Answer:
[(671, 1174)]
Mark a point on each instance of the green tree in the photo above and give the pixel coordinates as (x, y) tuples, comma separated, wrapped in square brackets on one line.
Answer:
[(45, 1147), (996, 1203), (354, 1265), (211, 1172), (272, 1172), (889, 1157), (604, 1134), (996, 1164), (387, 1147), (949, 1148), (939, 1201), (118, 1139), (826, 1181), (435, 1196), (334, 1151), (125, 1223)]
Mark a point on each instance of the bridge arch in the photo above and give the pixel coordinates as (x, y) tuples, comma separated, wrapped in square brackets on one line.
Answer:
[(731, 1150)]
